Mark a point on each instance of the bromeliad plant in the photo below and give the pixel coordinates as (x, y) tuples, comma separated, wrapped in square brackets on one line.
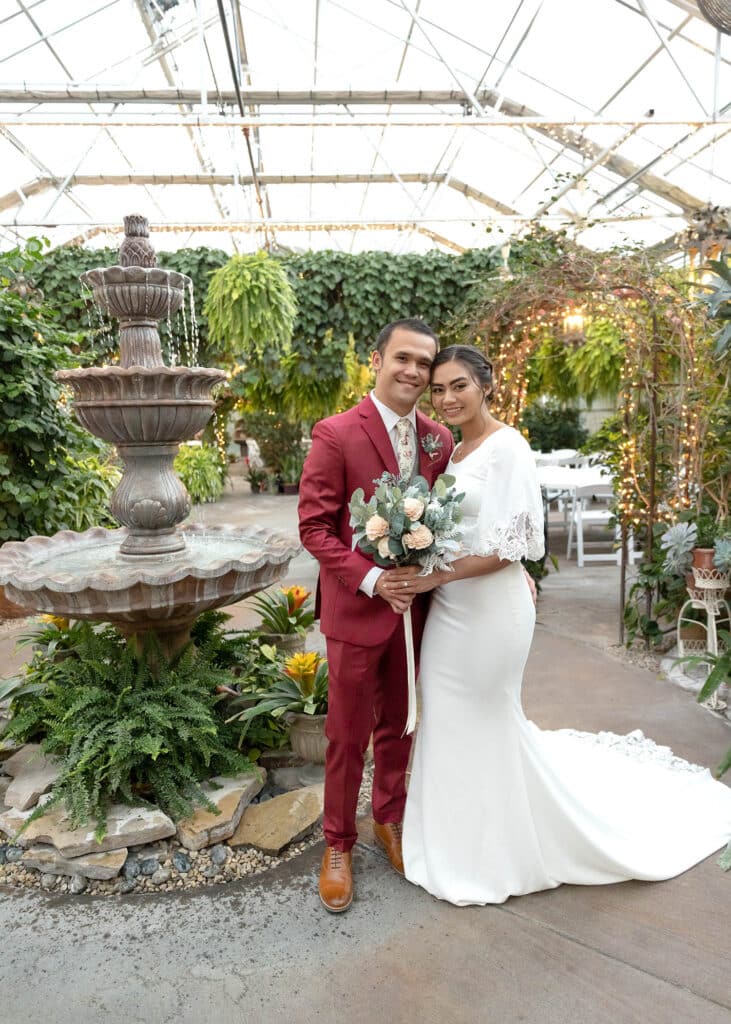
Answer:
[(300, 689), (285, 611)]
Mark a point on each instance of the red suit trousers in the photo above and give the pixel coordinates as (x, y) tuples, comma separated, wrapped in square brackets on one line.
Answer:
[(367, 694)]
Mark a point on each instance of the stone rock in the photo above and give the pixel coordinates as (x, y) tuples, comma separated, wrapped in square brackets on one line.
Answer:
[(161, 876), (124, 886), (32, 777), (126, 826), (181, 862), (232, 799), (78, 884), (287, 778), (219, 855), (49, 881), (149, 866), (273, 825), (4, 783), (3, 852), (13, 854), (21, 758), (7, 749), (131, 867), (92, 865), (210, 871)]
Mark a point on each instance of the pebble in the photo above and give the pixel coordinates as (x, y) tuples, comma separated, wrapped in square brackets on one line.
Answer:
[(181, 862), (149, 866), (14, 854), (220, 854), (49, 881), (161, 876), (77, 884), (124, 885), (210, 871)]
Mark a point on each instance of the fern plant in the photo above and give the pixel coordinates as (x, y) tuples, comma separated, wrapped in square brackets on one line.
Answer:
[(251, 307), (119, 728)]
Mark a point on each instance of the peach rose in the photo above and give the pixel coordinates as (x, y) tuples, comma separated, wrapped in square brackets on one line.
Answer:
[(383, 549), (418, 539), (414, 508), (376, 527)]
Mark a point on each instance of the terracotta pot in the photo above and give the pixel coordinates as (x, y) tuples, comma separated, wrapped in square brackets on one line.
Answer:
[(286, 643), (290, 488), (307, 737), (703, 558)]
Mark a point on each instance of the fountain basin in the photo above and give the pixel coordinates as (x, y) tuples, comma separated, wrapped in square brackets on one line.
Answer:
[(84, 575), (141, 404), (138, 292)]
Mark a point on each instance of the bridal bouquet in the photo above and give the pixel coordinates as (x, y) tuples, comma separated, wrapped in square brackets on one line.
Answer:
[(408, 524)]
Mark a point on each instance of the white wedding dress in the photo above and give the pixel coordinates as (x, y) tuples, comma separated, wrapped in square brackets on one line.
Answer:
[(497, 807)]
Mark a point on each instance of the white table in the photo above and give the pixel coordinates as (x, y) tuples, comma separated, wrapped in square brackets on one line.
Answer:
[(562, 482)]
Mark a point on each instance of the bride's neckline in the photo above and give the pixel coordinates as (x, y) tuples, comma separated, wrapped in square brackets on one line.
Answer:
[(457, 461)]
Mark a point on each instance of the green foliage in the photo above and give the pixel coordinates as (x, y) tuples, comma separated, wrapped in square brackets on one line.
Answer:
[(117, 724), (550, 426), (718, 676), (722, 555), (53, 475), (719, 303), (285, 611), (596, 365), (276, 436), (198, 466), (678, 542), (605, 442), (250, 307), (665, 590), (301, 688)]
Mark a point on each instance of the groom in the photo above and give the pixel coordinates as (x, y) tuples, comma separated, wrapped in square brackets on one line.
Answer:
[(360, 610)]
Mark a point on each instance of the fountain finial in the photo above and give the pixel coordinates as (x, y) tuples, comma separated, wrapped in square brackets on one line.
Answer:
[(136, 250)]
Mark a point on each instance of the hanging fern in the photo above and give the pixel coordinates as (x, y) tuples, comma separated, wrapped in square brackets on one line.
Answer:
[(251, 307)]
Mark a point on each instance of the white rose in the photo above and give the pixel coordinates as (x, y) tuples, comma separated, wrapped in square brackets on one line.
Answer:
[(418, 539), (383, 549), (414, 508), (376, 527)]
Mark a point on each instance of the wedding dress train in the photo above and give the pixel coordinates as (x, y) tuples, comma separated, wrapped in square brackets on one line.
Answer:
[(497, 807)]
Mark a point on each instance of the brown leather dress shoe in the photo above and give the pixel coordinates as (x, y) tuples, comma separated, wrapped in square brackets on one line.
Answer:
[(388, 837), (336, 880)]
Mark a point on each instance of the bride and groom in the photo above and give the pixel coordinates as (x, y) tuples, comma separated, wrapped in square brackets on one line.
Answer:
[(496, 807)]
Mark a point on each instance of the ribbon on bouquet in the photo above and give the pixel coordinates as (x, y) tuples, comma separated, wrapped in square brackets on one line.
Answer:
[(410, 673)]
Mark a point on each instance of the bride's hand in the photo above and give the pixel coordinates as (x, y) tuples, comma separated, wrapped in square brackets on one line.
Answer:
[(406, 581)]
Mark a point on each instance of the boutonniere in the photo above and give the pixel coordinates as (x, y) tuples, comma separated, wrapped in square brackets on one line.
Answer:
[(432, 445)]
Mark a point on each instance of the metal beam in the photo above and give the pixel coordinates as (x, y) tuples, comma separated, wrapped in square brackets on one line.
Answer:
[(31, 188)]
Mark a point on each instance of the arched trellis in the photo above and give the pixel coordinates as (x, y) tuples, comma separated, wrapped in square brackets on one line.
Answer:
[(672, 389)]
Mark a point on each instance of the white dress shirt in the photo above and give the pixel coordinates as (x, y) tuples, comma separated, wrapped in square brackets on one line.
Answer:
[(390, 419)]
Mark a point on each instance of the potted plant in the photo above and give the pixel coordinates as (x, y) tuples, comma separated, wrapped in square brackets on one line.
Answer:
[(291, 471), (257, 480), (286, 615), (300, 694), (706, 570)]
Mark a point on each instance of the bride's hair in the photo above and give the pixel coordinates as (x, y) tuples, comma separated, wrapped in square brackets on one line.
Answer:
[(479, 366)]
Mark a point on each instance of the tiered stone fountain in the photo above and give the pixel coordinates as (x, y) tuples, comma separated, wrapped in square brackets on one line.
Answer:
[(152, 575)]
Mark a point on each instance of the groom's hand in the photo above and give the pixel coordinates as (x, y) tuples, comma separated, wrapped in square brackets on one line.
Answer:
[(392, 594)]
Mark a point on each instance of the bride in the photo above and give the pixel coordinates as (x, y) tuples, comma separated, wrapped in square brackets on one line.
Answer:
[(496, 807)]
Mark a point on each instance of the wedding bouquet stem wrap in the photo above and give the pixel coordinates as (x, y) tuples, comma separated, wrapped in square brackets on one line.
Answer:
[(407, 523), (410, 673)]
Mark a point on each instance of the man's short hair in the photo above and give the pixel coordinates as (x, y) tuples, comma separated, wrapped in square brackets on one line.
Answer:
[(410, 323)]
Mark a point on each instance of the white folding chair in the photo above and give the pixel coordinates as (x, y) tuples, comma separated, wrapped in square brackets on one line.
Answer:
[(585, 513)]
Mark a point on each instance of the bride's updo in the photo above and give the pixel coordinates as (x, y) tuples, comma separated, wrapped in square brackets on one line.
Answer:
[(475, 362)]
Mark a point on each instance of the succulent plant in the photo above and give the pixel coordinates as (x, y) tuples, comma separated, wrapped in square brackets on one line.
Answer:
[(722, 556), (678, 542)]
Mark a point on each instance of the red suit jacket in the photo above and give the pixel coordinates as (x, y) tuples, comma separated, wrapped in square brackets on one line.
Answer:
[(348, 451)]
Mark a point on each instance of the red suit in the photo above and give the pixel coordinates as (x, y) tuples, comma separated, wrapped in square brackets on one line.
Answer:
[(365, 639)]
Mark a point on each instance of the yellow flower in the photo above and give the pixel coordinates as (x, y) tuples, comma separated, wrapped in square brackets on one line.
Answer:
[(56, 620), (376, 527), (418, 539), (302, 668)]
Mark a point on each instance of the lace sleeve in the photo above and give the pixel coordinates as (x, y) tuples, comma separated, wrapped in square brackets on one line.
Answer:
[(510, 519)]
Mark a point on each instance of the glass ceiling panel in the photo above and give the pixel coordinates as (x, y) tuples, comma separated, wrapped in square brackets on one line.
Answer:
[(562, 60)]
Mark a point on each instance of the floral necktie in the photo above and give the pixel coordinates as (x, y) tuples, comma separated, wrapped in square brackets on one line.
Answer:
[(405, 449)]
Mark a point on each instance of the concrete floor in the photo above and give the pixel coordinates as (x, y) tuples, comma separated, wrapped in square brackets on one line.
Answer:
[(264, 951)]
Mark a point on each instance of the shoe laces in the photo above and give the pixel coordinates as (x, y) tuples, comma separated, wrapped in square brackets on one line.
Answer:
[(336, 858)]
